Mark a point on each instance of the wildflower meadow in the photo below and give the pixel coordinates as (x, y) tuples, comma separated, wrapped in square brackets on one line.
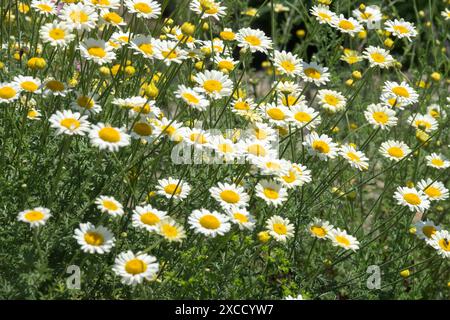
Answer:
[(235, 149)]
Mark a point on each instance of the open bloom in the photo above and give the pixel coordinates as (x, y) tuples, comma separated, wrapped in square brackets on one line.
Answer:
[(70, 123), (401, 29), (413, 199), (134, 268), (441, 242), (229, 195), (98, 51), (340, 238), (209, 223), (94, 239), (107, 137), (147, 9), (253, 40), (214, 84), (34, 217), (322, 146), (280, 228), (380, 116), (57, 34)]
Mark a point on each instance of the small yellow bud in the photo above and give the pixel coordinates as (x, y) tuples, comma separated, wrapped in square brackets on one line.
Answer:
[(353, 126), (2, 65), (389, 43), (335, 130), (151, 91), (349, 82), (115, 69), (422, 13), (300, 33), (405, 273), (362, 7), (448, 284), (410, 184), (205, 26), (36, 63), (168, 21), (105, 71), (428, 24), (263, 236), (362, 34), (422, 136), (421, 84), (227, 35), (436, 76), (199, 65), (130, 70), (356, 75), (187, 29), (412, 230)]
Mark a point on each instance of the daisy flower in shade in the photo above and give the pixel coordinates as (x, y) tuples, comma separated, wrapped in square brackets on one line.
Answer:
[(446, 14), (242, 105), (436, 111), (401, 91), (271, 192), (340, 238), (332, 101), (147, 9), (9, 92), (297, 175), (287, 63), (346, 25), (171, 230), (378, 57), (277, 115), (413, 199), (351, 56), (112, 18), (70, 123), (280, 228), (33, 114), (45, 7), (143, 130), (229, 195), (322, 146), (119, 39), (192, 98), (312, 72), (146, 217), (380, 116), (224, 63), (134, 268), (435, 190), (254, 40), (86, 103), (98, 51), (356, 159), (107, 137), (441, 242), (437, 161), (401, 28), (57, 34), (169, 51), (426, 229), (55, 88), (28, 84), (263, 132), (173, 188), (34, 217), (303, 116), (207, 8), (370, 14), (94, 239), (423, 122), (169, 128), (103, 4), (196, 137), (323, 14), (394, 150), (272, 166), (319, 229), (79, 16), (209, 223), (214, 84), (109, 205), (241, 217)]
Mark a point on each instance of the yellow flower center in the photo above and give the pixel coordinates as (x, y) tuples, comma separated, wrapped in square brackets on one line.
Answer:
[(444, 244), (312, 73), (271, 193), (209, 221), (288, 66), (423, 124), (412, 198), (290, 178), (225, 148), (110, 205), (34, 216), (79, 16), (400, 29), (396, 152), (230, 196), (318, 231), (212, 85), (433, 192), (149, 218), (44, 7), (256, 150), (97, 52), (353, 156), (29, 86), (85, 102), (241, 105), (143, 7), (135, 266), (401, 91), (437, 162), (227, 65), (142, 129), (378, 57), (253, 40), (302, 117), (380, 117), (109, 134), (147, 48), (70, 123), (242, 218), (172, 54), (101, 2), (428, 231), (94, 238), (227, 35), (321, 146), (172, 188), (289, 100), (342, 240), (346, 25), (324, 16), (54, 85), (112, 17), (331, 100), (169, 231), (276, 114), (260, 134), (7, 93), (191, 98), (198, 138), (279, 228)]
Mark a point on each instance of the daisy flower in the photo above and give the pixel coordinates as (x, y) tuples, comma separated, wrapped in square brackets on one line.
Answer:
[(401, 28), (173, 188), (28, 84), (94, 239), (271, 192), (394, 150), (322, 146), (225, 149), (323, 14), (254, 40), (214, 84), (192, 98), (146, 9), (34, 217), (241, 217), (79, 16), (351, 56), (196, 137), (57, 34), (45, 7), (134, 268), (70, 123), (280, 228), (277, 115), (171, 230), (227, 34), (319, 229), (118, 39), (340, 238), (86, 103), (229, 195), (263, 132), (224, 63), (104, 4), (401, 91), (356, 159), (378, 57), (9, 92), (423, 122), (297, 175), (97, 50), (380, 116), (413, 199), (332, 101), (346, 25), (209, 223), (255, 148), (441, 242), (312, 72), (436, 111), (207, 8), (426, 229), (112, 18), (437, 161), (304, 117), (109, 205), (169, 128), (242, 105), (55, 88), (106, 137), (370, 14), (169, 51), (272, 166), (446, 14), (287, 63), (33, 114), (146, 217), (435, 190)]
